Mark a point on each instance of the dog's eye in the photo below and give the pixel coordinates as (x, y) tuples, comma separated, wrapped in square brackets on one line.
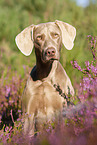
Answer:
[(39, 37), (55, 35)]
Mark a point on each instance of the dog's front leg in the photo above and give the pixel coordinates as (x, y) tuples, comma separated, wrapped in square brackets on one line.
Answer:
[(28, 108), (29, 125)]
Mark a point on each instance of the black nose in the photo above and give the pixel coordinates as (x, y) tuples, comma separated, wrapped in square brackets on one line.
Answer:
[(50, 52)]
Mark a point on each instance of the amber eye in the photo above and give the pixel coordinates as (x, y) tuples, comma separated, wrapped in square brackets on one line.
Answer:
[(39, 37), (55, 35)]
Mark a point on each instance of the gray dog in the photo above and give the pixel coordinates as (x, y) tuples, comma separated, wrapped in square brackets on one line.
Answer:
[(40, 99)]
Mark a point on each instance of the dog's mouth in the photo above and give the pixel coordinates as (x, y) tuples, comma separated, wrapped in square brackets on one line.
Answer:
[(52, 59), (49, 60)]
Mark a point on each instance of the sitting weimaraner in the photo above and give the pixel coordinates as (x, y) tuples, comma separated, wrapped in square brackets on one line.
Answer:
[(41, 100)]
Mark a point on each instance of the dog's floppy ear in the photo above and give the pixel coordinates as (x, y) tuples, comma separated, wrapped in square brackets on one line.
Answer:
[(24, 40), (68, 34)]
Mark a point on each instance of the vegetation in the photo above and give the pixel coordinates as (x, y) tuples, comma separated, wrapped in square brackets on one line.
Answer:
[(15, 15), (78, 123), (79, 119)]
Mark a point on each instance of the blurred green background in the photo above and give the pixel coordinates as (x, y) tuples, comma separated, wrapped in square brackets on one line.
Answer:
[(15, 15)]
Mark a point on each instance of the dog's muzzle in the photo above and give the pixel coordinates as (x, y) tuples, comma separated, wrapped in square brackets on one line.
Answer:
[(50, 54)]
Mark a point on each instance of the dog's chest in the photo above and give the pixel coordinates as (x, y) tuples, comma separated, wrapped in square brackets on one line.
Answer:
[(43, 89), (44, 97)]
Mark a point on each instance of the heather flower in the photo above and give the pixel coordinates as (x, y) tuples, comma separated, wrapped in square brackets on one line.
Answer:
[(19, 111), (88, 85), (87, 65), (92, 41), (94, 69), (78, 124), (75, 65), (7, 94)]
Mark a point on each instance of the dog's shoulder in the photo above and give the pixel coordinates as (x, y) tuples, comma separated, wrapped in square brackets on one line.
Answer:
[(61, 79), (60, 73)]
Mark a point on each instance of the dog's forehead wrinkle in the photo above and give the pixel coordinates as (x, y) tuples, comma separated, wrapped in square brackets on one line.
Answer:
[(46, 28), (53, 28), (40, 30)]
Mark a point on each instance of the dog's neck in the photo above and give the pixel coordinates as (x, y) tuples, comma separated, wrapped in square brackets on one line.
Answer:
[(43, 69)]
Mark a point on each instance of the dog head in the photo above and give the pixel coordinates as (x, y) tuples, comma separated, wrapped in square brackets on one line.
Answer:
[(47, 38)]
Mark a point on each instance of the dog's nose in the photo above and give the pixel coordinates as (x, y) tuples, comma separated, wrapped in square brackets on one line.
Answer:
[(50, 51)]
